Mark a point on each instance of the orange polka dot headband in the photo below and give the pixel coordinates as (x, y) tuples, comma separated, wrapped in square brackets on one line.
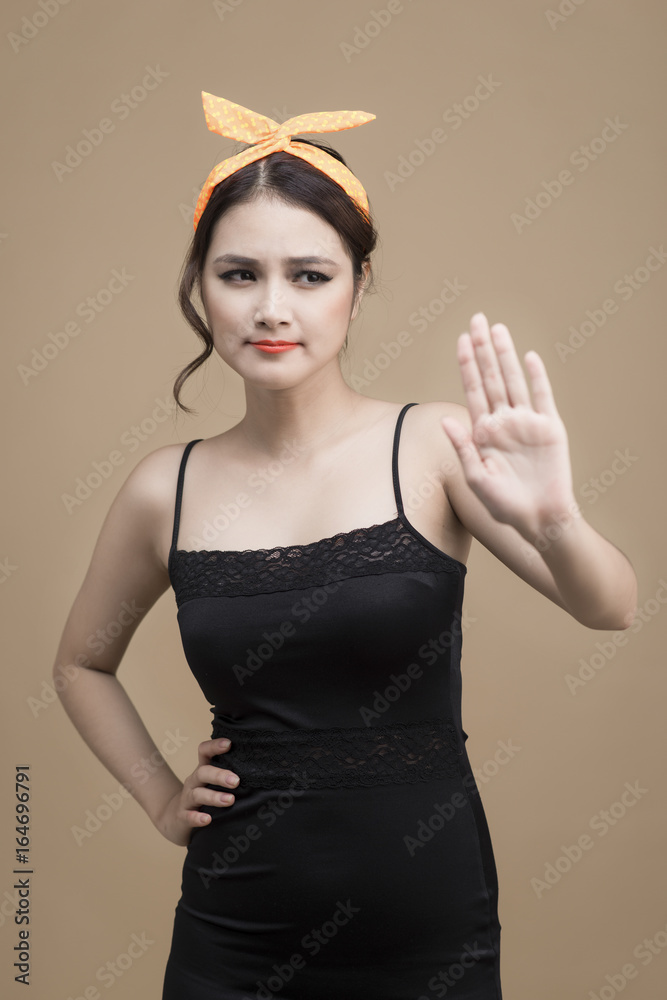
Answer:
[(236, 122)]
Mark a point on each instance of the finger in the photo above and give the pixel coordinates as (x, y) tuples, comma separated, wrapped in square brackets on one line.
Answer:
[(476, 400), (213, 775), (204, 796), (211, 748), (541, 386), (465, 448), (212, 797), (489, 369), (508, 359), (194, 818)]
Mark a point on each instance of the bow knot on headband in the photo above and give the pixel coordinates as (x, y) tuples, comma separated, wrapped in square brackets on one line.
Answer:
[(236, 122)]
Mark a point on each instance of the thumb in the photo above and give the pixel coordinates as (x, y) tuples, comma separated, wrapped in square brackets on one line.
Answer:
[(465, 447)]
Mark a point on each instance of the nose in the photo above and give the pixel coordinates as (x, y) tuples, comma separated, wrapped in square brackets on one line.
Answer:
[(273, 307)]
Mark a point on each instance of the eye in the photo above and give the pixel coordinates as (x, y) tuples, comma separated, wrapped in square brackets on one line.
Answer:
[(230, 274), (318, 274), (320, 278)]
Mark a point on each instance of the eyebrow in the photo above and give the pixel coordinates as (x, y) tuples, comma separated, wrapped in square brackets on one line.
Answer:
[(233, 258)]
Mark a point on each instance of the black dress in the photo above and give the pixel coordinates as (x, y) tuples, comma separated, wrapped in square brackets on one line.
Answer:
[(356, 862)]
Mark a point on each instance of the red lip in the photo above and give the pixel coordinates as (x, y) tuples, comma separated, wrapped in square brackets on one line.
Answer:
[(273, 346)]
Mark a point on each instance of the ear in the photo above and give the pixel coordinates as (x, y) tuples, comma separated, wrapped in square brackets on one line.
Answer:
[(366, 270)]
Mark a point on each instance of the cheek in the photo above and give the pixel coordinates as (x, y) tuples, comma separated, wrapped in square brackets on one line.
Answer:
[(224, 311), (336, 307)]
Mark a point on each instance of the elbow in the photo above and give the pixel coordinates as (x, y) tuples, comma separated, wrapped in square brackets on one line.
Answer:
[(631, 608), (624, 612), (617, 620), (63, 676), (609, 624), (64, 673), (629, 618)]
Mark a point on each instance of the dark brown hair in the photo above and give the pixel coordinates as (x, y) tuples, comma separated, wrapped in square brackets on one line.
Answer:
[(297, 182)]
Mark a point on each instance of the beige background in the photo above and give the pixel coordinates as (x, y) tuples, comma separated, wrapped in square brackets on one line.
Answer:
[(128, 205)]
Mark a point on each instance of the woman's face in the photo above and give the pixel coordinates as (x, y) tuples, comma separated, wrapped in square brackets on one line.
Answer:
[(276, 272)]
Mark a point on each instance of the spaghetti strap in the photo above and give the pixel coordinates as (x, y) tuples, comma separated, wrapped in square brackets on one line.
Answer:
[(394, 459), (179, 494)]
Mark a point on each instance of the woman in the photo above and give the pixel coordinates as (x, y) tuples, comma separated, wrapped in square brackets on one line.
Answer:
[(321, 610)]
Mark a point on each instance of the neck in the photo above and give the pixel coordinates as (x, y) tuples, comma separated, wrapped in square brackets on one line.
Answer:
[(306, 417)]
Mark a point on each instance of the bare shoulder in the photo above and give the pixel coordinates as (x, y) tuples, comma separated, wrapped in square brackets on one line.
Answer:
[(153, 474), (148, 495), (432, 438), (432, 412)]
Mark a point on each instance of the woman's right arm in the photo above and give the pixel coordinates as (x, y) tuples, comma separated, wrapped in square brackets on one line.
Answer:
[(125, 578)]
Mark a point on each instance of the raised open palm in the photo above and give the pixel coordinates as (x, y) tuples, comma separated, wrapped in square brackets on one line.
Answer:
[(517, 458)]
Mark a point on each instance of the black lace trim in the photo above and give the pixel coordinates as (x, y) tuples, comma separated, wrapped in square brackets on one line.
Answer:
[(381, 548), (341, 758)]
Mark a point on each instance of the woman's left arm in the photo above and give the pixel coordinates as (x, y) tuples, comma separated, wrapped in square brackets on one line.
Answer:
[(515, 459)]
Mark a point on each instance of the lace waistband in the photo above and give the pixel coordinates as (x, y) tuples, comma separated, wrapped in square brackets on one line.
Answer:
[(341, 758)]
